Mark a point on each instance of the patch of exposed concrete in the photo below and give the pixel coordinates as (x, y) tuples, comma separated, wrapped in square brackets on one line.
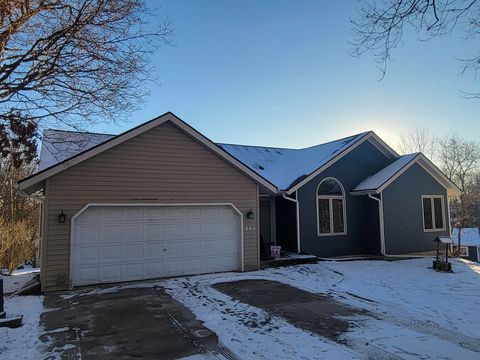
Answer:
[(125, 324), (316, 313)]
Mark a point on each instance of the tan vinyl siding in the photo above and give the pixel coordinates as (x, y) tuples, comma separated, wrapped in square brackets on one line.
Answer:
[(162, 165)]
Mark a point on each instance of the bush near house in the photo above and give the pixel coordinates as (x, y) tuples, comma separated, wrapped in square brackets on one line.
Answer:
[(16, 244)]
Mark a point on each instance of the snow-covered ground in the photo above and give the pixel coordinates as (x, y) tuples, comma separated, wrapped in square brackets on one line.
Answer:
[(23, 342), (415, 312), (18, 278)]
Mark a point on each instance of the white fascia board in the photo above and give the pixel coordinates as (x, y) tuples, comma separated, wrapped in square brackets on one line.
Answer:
[(137, 131)]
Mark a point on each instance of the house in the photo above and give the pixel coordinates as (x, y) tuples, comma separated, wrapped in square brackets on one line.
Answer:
[(163, 200), (469, 243)]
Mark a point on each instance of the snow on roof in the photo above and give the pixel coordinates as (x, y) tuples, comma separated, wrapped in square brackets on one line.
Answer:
[(58, 145), (281, 166), (377, 180), (470, 236), (284, 167)]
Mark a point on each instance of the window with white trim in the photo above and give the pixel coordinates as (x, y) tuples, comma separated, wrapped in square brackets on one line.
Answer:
[(463, 251), (330, 208), (433, 212)]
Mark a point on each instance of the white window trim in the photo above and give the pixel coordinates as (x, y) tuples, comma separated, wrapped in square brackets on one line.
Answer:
[(431, 197), (330, 198), (466, 254)]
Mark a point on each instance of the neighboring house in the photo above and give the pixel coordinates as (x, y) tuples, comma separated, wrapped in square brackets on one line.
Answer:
[(163, 200), (469, 243)]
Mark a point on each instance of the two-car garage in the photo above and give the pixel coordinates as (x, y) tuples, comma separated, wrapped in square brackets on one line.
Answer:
[(112, 243)]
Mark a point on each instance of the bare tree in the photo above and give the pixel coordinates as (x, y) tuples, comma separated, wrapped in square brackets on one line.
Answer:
[(419, 140), (460, 161), (380, 26), (75, 62)]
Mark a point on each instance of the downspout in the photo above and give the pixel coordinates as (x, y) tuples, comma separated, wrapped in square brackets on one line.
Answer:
[(284, 195), (382, 230)]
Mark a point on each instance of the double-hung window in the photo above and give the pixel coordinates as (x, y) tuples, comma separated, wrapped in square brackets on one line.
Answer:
[(330, 208), (433, 212)]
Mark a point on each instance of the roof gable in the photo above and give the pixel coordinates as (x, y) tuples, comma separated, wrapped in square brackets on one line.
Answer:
[(93, 147), (376, 183)]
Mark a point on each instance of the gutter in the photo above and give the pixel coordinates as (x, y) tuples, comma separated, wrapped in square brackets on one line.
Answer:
[(284, 195), (383, 252)]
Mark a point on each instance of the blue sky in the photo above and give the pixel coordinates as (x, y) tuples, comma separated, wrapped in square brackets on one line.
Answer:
[(279, 73)]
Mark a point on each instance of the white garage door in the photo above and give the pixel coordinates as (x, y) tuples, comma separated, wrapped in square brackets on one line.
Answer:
[(112, 244)]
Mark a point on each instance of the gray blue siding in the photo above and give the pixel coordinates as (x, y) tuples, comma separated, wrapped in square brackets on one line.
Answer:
[(403, 214), (362, 212)]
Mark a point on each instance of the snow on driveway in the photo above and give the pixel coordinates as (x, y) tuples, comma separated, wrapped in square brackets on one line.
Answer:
[(415, 312), (418, 313)]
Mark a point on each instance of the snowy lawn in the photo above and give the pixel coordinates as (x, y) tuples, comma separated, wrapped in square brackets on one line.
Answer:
[(22, 343), (414, 312), (417, 313), (18, 278)]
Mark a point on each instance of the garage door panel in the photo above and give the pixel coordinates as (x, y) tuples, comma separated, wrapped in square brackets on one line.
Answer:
[(154, 269), (192, 266), (87, 275), (87, 255), (172, 213), (111, 233), (172, 249), (111, 214), (133, 271), (192, 248), (193, 230), (112, 273), (132, 214), (154, 251), (227, 246), (173, 267), (211, 229), (132, 233), (133, 251), (174, 231), (125, 243), (154, 213), (154, 232), (111, 253), (193, 213), (88, 234)]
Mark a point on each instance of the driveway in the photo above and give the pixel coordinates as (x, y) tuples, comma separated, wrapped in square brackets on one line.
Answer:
[(124, 324), (330, 310)]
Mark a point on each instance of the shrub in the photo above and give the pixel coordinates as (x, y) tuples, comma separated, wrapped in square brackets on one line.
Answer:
[(16, 244)]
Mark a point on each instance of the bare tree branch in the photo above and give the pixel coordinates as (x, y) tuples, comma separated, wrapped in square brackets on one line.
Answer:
[(380, 25), (76, 62)]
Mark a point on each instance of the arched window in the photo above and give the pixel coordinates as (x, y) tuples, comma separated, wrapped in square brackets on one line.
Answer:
[(330, 208)]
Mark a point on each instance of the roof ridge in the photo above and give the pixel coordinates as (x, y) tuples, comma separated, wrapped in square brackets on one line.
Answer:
[(344, 138), (257, 146)]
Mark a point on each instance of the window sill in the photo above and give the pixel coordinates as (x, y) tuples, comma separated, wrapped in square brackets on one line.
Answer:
[(331, 234)]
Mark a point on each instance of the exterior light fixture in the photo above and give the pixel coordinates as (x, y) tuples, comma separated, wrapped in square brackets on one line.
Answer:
[(250, 214), (62, 217)]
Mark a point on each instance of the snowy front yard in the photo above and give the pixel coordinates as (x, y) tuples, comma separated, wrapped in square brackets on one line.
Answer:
[(412, 312)]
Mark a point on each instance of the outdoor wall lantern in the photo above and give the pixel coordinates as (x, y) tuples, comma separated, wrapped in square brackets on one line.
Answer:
[(250, 214), (62, 217)]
